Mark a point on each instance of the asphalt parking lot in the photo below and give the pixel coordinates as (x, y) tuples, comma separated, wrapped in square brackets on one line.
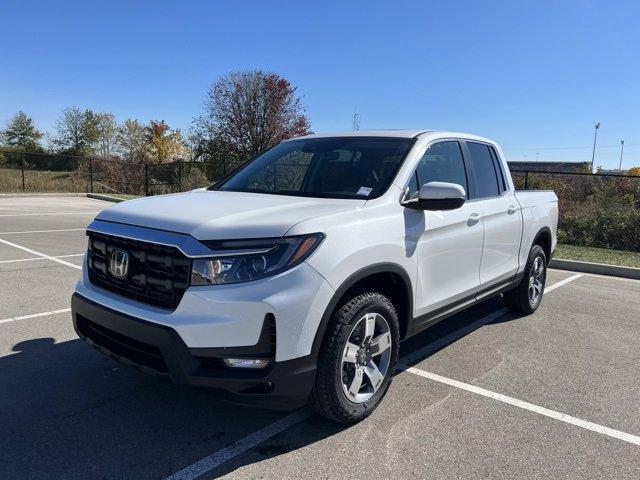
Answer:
[(484, 394)]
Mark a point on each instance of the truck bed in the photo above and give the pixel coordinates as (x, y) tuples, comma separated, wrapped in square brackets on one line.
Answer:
[(539, 210)]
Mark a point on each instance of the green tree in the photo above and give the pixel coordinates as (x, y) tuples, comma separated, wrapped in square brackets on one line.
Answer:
[(131, 141), (164, 144), (77, 132), (107, 131), (22, 133)]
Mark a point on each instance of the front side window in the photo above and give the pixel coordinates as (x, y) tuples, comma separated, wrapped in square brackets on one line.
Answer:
[(484, 170), (442, 162), (336, 167)]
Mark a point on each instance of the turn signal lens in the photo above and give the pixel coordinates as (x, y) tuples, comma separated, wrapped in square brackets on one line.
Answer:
[(305, 247)]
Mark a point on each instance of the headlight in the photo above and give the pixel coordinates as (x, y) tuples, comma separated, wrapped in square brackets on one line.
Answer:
[(246, 260)]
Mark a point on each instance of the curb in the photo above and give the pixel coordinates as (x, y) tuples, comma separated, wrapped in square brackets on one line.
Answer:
[(107, 198), (35, 194), (597, 268)]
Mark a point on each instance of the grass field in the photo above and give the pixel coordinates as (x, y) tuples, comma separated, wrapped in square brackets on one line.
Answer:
[(44, 181), (41, 181), (598, 255)]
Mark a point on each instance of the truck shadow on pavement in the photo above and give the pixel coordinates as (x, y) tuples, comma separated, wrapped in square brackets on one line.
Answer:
[(68, 412)]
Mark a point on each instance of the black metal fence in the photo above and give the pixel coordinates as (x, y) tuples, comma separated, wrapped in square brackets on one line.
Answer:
[(596, 210), (39, 172)]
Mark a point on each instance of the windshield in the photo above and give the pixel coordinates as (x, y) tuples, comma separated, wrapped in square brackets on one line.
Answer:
[(337, 167)]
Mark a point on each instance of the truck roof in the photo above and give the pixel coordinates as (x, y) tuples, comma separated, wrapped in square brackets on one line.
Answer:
[(399, 133)]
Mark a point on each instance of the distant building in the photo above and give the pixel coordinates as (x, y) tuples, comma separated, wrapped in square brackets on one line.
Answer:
[(614, 171), (537, 166)]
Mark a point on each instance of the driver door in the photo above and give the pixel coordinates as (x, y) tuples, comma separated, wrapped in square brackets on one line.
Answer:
[(449, 247)]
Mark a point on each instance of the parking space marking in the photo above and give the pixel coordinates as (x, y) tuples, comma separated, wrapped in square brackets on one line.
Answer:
[(551, 288), (49, 214), (218, 458), (40, 254), (608, 277), (455, 335), (34, 315), (627, 437), (44, 231), (40, 258), (423, 352), (247, 443)]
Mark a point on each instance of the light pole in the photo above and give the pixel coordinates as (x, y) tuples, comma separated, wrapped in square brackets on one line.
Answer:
[(621, 150), (595, 137)]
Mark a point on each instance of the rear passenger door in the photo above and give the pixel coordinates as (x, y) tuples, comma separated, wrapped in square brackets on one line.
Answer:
[(501, 215)]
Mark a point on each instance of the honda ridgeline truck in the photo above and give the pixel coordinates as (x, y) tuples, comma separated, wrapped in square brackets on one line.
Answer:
[(295, 278)]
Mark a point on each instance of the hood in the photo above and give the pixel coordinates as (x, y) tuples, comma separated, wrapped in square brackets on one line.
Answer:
[(218, 215)]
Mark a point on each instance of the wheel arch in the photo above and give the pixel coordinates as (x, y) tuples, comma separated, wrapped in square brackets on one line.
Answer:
[(389, 279), (545, 240)]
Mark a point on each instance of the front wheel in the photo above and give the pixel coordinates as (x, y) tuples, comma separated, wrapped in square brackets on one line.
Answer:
[(357, 358), (526, 297)]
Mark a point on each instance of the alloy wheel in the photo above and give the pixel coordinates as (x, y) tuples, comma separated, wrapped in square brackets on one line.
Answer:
[(536, 279), (366, 357)]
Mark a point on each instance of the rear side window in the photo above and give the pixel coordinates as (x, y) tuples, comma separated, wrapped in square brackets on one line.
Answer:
[(502, 182), (442, 162), (484, 170)]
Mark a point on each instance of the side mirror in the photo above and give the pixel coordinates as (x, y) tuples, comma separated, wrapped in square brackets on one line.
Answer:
[(441, 196)]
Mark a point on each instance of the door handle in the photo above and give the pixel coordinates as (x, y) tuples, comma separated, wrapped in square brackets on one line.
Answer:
[(512, 209), (474, 218)]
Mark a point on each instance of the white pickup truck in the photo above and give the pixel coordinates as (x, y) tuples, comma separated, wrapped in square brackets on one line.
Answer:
[(295, 278)]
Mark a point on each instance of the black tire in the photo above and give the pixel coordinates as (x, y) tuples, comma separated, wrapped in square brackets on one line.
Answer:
[(518, 299), (327, 397)]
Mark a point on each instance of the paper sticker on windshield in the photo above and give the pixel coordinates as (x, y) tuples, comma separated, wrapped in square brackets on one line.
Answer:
[(364, 191)]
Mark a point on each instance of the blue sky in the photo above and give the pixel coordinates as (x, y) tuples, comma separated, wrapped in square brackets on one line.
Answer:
[(534, 76)]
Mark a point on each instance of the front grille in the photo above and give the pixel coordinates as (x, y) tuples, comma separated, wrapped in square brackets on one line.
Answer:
[(122, 347), (157, 275)]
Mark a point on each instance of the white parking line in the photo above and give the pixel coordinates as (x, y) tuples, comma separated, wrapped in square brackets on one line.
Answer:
[(34, 315), (609, 277), (40, 254), (594, 427), (44, 231), (247, 443), (453, 336), (551, 288), (40, 258), (423, 352)]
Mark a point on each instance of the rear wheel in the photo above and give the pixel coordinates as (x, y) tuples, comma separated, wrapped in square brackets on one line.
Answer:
[(526, 297), (357, 358)]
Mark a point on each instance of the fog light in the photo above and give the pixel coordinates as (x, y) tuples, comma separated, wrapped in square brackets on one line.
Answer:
[(246, 362)]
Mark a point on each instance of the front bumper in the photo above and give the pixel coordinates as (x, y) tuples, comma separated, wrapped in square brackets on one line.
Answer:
[(232, 315), (159, 350)]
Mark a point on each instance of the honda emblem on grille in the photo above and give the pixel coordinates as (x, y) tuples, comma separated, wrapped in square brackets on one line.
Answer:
[(119, 263)]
